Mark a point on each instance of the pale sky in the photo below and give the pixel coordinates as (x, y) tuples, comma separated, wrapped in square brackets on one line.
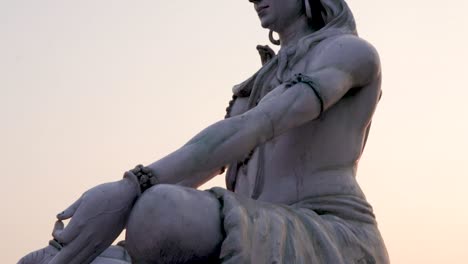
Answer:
[(91, 88)]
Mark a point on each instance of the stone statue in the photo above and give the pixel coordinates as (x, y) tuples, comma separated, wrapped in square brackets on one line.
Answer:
[(292, 140)]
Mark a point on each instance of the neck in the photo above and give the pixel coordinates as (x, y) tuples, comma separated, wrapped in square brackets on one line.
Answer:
[(291, 34)]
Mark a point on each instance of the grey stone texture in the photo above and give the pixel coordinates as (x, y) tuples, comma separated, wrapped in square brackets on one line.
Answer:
[(292, 145)]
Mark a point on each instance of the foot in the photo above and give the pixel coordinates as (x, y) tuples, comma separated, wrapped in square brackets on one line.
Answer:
[(41, 256)]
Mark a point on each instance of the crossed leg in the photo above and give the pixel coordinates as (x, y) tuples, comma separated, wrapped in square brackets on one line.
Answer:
[(112, 255), (173, 224), (168, 224)]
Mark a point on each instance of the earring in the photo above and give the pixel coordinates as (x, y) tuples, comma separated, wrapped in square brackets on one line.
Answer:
[(276, 42), (308, 9)]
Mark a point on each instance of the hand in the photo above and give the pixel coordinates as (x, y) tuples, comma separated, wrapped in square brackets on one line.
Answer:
[(97, 218)]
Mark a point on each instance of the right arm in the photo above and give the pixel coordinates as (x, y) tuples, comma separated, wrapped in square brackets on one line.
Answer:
[(344, 63), (201, 158)]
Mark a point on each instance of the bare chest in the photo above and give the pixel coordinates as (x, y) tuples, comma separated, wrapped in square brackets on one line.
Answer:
[(317, 158)]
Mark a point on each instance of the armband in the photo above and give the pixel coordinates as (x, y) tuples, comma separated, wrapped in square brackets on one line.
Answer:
[(301, 78)]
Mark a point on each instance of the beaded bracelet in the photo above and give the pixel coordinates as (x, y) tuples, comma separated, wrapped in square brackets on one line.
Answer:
[(229, 108), (145, 177)]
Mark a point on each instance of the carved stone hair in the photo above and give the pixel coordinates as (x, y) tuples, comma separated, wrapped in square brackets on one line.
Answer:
[(315, 13)]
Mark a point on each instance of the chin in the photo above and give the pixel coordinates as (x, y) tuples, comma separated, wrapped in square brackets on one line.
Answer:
[(265, 22)]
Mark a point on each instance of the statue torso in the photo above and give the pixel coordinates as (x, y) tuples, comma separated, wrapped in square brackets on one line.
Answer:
[(315, 159)]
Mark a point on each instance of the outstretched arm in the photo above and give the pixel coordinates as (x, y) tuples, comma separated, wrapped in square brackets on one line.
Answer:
[(344, 63)]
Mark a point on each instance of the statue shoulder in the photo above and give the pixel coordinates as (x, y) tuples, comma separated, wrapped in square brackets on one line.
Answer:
[(348, 53)]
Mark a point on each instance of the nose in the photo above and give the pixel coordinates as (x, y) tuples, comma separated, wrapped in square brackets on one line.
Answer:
[(254, 1)]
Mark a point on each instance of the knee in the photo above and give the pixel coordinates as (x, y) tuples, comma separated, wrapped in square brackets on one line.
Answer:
[(149, 222), (172, 220)]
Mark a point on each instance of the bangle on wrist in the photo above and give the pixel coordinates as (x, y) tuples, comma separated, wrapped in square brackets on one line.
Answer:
[(146, 179)]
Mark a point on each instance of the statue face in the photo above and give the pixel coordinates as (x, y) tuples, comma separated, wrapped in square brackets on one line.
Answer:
[(278, 14)]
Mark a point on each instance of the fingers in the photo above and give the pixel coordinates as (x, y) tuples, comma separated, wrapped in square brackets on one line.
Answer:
[(88, 255), (58, 227), (69, 253), (69, 211), (65, 236)]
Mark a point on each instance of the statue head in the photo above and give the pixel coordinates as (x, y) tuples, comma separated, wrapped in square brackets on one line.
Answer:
[(278, 14)]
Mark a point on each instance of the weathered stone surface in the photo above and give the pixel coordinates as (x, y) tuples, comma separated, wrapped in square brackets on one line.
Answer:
[(293, 145)]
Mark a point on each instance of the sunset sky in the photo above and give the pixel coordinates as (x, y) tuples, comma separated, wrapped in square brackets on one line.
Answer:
[(91, 88)]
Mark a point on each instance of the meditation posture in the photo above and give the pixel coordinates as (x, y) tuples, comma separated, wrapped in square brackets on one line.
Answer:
[(291, 141)]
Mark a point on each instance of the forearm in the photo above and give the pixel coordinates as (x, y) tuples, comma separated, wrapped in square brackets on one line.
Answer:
[(204, 155)]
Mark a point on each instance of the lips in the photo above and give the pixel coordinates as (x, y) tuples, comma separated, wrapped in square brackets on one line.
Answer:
[(259, 9)]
